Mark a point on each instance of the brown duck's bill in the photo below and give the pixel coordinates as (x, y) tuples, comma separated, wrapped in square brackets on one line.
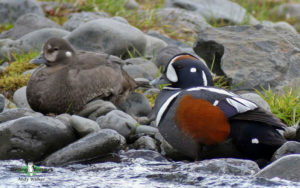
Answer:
[(39, 60)]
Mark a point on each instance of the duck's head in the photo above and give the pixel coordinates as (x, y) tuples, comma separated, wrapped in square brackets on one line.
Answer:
[(185, 71), (55, 51)]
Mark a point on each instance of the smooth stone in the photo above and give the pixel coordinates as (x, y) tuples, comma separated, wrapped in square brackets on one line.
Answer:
[(214, 9), (224, 166), (3, 66), (84, 126), (298, 133), (97, 108), (131, 4), (142, 154), (16, 113), (2, 102), (140, 68), (148, 130), (152, 91), (20, 98), (142, 82), (28, 23), (257, 99), (153, 46), (251, 56), (280, 26), (78, 18), (11, 10), (109, 36), (118, 120), (136, 105), (33, 138), (65, 119), (290, 132), (90, 147), (287, 10), (167, 39), (145, 142), (286, 168), (120, 19), (288, 148), (165, 55)]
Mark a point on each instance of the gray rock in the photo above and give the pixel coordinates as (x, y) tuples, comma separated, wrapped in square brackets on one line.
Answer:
[(2, 102), (148, 130), (20, 98), (120, 19), (168, 151), (11, 10), (280, 26), (142, 82), (28, 23), (97, 108), (153, 46), (3, 66), (84, 126), (30, 42), (32, 138), (254, 97), (140, 68), (136, 104), (183, 20), (286, 168), (65, 119), (109, 36), (117, 120), (78, 18), (151, 91), (224, 166), (131, 4), (165, 55), (143, 120), (298, 133), (251, 56), (287, 10), (142, 154), (92, 146), (290, 147), (145, 142), (168, 40), (290, 132), (214, 9), (12, 114)]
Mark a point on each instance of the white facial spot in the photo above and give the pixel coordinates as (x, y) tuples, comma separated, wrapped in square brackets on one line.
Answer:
[(193, 69), (68, 54), (216, 103), (49, 46), (204, 78), (255, 141)]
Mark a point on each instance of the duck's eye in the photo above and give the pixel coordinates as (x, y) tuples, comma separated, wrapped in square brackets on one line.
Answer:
[(55, 49)]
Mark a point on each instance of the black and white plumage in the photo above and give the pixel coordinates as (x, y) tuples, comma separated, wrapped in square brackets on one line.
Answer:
[(193, 114)]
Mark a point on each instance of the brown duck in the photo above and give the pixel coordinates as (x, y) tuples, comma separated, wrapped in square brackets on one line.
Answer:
[(70, 79)]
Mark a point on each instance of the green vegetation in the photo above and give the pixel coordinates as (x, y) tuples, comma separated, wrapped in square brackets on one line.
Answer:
[(286, 105), (7, 26), (12, 78)]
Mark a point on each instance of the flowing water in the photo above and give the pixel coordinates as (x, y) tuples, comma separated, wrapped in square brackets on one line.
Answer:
[(134, 173)]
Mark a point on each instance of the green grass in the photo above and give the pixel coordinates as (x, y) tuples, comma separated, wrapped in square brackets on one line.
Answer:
[(7, 26), (286, 106), (12, 78)]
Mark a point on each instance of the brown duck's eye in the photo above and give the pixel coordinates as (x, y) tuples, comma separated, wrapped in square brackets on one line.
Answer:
[(55, 49)]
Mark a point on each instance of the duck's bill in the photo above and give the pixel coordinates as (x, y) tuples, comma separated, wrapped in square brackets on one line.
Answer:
[(39, 60), (160, 81)]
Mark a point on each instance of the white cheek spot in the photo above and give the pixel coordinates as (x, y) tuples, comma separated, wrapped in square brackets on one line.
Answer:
[(216, 103), (49, 46), (68, 54), (255, 141), (193, 69), (204, 78)]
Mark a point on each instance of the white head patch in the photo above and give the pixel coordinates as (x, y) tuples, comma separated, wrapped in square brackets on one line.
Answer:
[(68, 54), (193, 69), (204, 78), (171, 73)]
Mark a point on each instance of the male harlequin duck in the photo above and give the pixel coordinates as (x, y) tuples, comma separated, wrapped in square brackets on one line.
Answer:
[(203, 121), (70, 79)]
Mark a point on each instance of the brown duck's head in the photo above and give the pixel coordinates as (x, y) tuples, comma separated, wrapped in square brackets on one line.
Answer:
[(55, 51)]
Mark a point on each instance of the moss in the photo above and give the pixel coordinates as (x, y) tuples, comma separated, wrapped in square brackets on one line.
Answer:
[(7, 26)]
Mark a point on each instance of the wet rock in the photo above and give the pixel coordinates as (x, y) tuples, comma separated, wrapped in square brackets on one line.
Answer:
[(286, 168), (11, 10), (145, 142), (140, 68), (109, 36), (20, 98), (84, 126), (147, 130), (280, 26), (214, 9), (28, 23), (2, 102), (12, 114), (165, 54), (97, 108), (131, 4), (90, 147), (78, 18), (29, 42), (136, 104), (168, 40), (257, 99), (118, 120), (251, 56), (142, 154), (154, 45), (32, 138), (183, 20), (288, 148)]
